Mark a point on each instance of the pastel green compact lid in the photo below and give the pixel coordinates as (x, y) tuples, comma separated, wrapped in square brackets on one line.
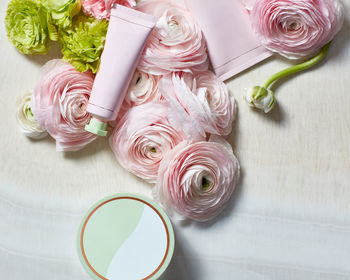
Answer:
[(125, 236)]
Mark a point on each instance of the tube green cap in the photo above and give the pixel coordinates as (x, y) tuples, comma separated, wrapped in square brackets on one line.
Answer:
[(96, 127)]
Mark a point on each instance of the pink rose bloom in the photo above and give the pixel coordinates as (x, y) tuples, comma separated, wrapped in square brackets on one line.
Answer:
[(143, 89), (296, 28), (142, 137), (176, 43), (197, 180), (98, 8), (201, 99), (59, 104)]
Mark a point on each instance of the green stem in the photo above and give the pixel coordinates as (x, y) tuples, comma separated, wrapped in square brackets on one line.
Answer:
[(299, 67)]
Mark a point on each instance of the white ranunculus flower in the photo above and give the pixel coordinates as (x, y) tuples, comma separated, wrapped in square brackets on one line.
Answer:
[(260, 98), (26, 120)]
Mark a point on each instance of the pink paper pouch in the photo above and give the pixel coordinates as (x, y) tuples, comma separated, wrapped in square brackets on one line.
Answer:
[(232, 46), (126, 37)]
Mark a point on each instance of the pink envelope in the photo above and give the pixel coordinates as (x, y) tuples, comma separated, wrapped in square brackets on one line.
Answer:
[(232, 46)]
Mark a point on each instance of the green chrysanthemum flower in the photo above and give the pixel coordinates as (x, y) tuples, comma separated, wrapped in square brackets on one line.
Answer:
[(82, 43), (27, 26), (62, 11)]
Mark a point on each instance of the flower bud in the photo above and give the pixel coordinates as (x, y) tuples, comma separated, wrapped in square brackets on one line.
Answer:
[(260, 98)]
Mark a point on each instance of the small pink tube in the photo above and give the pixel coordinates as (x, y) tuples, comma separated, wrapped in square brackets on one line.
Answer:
[(232, 46), (127, 34)]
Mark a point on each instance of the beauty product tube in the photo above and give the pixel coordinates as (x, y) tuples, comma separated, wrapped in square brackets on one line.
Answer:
[(126, 37), (232, 46)]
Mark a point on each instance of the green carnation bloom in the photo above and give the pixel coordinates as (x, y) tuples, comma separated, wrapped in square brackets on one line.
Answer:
[(27, 27), (82, 43), (62, 11)]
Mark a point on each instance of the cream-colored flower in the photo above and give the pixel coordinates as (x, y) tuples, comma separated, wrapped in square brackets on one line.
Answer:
[(26, 120), (260, 98)]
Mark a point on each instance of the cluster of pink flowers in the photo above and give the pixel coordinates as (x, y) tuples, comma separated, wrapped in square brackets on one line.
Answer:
[(171, 126), (174, 105)]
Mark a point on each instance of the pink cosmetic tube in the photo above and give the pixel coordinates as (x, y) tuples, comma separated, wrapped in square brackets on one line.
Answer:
[(232, 46), (127, 34)]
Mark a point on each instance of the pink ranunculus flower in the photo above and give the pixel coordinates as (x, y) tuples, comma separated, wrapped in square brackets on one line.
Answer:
[(176, 43), (142, 137), (59, 104), (143, 89), (99, 9), (201, 99), (296, 28), (196, 181)]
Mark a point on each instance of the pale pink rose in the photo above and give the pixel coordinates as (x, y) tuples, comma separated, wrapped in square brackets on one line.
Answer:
[(176, 43), (143, 89), (296, 28), (142, 137), (59, 104), (201, 99), (196, 181), (99, 9)]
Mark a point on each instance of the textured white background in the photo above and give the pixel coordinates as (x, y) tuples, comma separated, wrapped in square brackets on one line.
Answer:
[(289, 218)]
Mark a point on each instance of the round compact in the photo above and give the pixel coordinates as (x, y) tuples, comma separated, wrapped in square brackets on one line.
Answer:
[(127, 237)]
